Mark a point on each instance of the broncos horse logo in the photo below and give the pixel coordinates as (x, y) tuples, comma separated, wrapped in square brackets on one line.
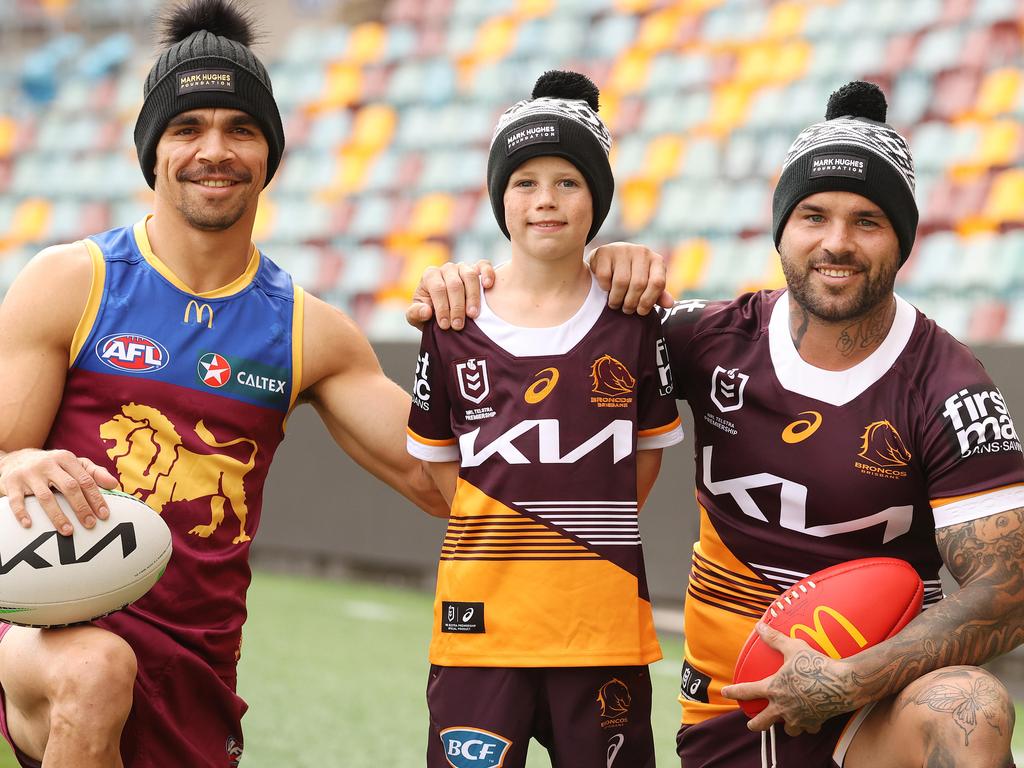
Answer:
[(614, 699), (157, 468), (882, 445), (611, 378)]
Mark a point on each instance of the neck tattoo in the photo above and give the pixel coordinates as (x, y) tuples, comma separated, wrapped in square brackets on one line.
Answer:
[(868, 332)]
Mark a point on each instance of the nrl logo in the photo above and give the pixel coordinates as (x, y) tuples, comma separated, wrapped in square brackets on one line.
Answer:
[(472, 377), (727, 388)]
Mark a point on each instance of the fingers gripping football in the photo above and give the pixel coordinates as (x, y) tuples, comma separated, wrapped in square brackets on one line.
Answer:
[(39, 473), (808, 688)]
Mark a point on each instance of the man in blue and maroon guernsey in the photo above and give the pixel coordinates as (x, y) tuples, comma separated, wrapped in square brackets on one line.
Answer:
[(833, 421), (168, 365), (543, 424)]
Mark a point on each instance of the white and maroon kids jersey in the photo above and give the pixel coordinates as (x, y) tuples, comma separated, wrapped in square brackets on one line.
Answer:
[(541, 565), (800, 468)]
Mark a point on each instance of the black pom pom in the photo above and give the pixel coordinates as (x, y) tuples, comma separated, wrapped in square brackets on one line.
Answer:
[(857, 99), (223, 18), (559, 84)]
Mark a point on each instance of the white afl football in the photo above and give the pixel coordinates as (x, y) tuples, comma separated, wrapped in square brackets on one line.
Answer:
[(49, 580)]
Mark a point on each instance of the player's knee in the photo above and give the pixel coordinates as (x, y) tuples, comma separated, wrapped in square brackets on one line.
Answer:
[(95, 680), (964, 712)]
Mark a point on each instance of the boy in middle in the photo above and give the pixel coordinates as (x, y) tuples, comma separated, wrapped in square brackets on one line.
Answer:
[(543, 424)]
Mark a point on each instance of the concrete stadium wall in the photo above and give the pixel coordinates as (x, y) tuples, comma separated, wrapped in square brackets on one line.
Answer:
[(323, 512)]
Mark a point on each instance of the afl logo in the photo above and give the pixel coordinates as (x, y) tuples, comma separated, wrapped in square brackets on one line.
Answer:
[(131, 354), (541, 388), (214, 371)]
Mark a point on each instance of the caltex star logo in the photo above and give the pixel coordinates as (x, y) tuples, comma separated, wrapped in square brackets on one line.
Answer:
[(214, 370)]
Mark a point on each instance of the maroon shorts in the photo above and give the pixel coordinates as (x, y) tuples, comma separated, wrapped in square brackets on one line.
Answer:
[(483, 717), (725, 742), (183, 712)]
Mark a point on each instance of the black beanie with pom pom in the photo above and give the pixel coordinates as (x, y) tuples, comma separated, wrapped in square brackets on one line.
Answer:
[(207, 63), (853, 150), (561, 120)]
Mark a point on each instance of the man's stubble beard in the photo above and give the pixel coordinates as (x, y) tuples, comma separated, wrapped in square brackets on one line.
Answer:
[(827, 305)]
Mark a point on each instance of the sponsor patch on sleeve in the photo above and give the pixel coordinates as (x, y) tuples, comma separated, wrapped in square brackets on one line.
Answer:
[(694, 684), (977, 420)]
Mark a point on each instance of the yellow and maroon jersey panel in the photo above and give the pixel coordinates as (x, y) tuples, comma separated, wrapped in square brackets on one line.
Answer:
[(183, 397), (542, 563), (800, 468)]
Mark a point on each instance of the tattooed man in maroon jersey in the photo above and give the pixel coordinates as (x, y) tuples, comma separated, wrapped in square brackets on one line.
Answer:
[(832, 421)]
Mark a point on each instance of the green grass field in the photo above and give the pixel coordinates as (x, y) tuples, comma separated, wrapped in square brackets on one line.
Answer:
[(335, 672)]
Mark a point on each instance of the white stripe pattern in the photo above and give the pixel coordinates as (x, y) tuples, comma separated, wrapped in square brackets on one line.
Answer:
[(604, 523)]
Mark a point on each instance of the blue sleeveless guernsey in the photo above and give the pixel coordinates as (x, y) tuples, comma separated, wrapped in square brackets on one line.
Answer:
[(183, 397)]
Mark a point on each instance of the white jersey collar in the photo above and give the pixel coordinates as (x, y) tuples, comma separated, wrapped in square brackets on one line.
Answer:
[(520, 341), (834, 387)]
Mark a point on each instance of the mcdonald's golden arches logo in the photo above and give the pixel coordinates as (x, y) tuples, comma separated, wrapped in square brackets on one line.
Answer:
[(820, 636), (201, 310)]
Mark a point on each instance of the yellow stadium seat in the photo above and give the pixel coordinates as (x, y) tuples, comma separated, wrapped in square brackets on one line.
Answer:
[(495, 39), (8, 132), (417, 258), (633, 6), (609, 110), (663, 156), (1005, 202), (998, 92), (432, 215), (1000, 142), (659, 30), (786, 20), (266, 213), (729, 105), (532, 9), (629, 71), (353, 165), (30, 221), (373, 127), (367, 42), (639, 201), (343, 87), (686, 268)]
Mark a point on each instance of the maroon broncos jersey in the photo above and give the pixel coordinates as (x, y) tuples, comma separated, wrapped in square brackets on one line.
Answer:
[(541, 565), (800, 468)]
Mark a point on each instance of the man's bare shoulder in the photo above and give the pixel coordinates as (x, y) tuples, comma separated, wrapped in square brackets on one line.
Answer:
[(48, 296), (332, 344)]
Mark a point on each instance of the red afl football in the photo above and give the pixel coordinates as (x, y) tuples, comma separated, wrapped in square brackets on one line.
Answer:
[(838, 611)]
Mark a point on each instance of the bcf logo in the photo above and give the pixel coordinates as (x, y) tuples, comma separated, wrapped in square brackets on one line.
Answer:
[(474, 748)]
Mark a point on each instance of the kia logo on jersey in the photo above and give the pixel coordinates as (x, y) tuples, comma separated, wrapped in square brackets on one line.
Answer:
[(727, 388), (214, 371), (131, 353)]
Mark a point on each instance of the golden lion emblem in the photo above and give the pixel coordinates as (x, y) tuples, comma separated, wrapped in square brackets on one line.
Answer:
[(156, 468), (614, 698), (611, 378), (882, 445)]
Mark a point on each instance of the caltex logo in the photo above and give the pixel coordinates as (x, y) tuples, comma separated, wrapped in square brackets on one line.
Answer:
[(214, 370)]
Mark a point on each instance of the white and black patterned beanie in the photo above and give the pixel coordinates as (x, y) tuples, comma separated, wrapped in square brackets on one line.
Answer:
[(206, 63), (561, 120), (853, 150)]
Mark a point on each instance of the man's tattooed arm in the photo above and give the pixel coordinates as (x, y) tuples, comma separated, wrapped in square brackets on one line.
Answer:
[(981, 620)]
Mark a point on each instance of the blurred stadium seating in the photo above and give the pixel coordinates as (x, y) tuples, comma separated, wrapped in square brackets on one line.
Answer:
[(389, 120)]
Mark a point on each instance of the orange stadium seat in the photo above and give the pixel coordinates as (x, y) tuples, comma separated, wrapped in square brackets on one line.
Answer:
[(999, 93), (1005, 203)]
